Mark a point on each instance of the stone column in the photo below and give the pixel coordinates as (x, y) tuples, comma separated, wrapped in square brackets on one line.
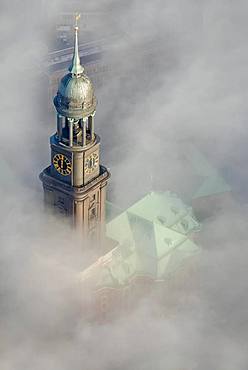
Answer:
[(91, 126), (86, 216), (79, 216), (70, 120), (59, 126), (102, 208), (84, 131)]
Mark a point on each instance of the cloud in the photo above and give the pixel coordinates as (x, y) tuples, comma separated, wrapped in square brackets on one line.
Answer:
[(178, 73)]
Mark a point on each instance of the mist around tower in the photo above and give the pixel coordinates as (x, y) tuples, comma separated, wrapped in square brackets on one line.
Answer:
[(171, 115)]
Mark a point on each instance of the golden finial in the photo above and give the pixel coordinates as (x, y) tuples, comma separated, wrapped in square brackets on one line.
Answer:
[(77, 17)]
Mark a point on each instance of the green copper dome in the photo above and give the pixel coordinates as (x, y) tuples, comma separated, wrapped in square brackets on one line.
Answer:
[(75, 97)]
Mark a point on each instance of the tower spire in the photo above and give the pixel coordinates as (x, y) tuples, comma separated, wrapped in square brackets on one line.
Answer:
[(75, 67)]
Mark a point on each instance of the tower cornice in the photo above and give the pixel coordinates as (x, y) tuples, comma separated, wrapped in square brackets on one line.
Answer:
[(77, 193)]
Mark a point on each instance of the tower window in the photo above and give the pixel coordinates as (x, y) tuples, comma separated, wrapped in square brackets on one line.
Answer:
[(92, 198), (93, 213), (60, 205)]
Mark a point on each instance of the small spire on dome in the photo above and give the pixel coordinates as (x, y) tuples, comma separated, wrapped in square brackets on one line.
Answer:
[(75, 67)]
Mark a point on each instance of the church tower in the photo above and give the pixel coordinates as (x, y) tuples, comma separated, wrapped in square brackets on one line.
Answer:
[(75, 182)]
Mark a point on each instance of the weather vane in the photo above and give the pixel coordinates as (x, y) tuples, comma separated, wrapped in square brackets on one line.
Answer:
[(77, 17)]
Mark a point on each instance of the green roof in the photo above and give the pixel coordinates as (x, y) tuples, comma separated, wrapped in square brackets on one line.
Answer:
[(209, 181), (175, 259), (153, 234), (148, 241), (112, 211), (212, 185), (165, 208)]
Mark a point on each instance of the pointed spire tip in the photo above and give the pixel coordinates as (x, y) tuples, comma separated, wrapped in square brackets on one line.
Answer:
[(76, 68)]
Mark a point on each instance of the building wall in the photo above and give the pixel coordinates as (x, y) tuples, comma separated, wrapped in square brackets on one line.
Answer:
[(109, 303)]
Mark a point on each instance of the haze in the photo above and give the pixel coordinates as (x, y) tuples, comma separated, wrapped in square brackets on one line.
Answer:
[(194, 90)]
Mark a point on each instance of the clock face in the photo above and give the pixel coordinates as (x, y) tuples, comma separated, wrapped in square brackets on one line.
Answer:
[(62, 164), (91, 163)]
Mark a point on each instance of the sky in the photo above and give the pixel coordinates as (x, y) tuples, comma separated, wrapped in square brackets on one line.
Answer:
[(179, 74)]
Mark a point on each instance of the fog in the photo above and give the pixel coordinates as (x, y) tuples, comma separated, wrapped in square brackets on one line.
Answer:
[(179, 74)]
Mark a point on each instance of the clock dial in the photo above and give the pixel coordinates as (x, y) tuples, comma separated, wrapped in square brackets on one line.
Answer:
[(62, 164), (91, 163)]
